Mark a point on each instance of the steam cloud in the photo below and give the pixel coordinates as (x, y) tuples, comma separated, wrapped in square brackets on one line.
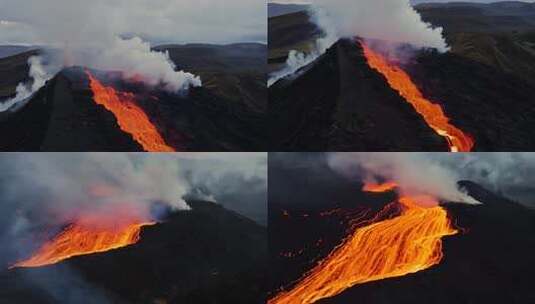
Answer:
[(395, 21), (414, 172), (113, 35), (39, 75), (296, 60), (390, 20), (511, 174)]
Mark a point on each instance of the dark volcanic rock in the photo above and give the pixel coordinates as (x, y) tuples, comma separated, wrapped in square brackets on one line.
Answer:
[(496, 108), (338, 103), (207, 255)]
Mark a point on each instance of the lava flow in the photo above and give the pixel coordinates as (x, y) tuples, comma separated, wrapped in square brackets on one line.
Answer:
[(373, 187), (407, 243), (130, 117), (432, 113), (78, 239)]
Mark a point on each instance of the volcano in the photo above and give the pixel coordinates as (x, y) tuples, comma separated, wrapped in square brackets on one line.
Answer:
[(486, 261), (343, 102), (205, 255), (68, 114)]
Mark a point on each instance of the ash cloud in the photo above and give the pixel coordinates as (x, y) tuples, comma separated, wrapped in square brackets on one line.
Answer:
[(416, 173)]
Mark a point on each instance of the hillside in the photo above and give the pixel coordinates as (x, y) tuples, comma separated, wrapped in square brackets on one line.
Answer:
[(501, 34)]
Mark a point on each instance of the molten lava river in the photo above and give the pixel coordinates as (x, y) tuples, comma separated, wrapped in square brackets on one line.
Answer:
[(78, 240), (407, 243), (130, 117), (432, 113)]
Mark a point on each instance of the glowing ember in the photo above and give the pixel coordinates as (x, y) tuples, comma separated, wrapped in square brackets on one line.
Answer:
[(405, 244), (130, 117), (432, 113), (78, 240)]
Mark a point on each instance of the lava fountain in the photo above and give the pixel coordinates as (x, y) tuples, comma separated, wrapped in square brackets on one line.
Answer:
[(432, 113), (407, 243), (81, 239), (130, 117)]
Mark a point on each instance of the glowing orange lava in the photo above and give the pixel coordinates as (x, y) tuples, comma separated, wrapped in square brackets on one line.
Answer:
[(394, 247), (384, 187), (78, 240), (130, 117), (432, 113)]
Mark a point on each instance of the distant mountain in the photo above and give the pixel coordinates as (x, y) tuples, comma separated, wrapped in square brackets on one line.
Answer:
[(278, 9), (501, 34), (10, 50), (208, 255)]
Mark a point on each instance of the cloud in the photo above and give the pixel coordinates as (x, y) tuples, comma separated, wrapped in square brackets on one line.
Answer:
[(415, 173), (115, 35)]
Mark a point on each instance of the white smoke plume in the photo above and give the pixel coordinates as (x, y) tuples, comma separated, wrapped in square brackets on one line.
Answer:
[(415, 173), (393, 21), (509, 174), (296, 60), (390, 20), (39, 75)]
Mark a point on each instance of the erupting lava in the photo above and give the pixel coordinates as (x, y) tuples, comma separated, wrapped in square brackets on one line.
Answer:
[(405, 244), (130, 117), (432, 113), (78, 240)]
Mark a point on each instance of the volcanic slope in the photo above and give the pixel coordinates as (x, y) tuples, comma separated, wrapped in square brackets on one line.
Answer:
[(339, 103), (489, 261), (206, 255), (227, 113)]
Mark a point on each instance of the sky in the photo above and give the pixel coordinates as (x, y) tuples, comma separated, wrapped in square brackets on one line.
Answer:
[(412, 1), (160, 21)]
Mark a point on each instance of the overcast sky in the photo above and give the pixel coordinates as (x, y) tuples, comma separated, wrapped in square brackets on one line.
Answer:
[(412, 1), (216, 21)]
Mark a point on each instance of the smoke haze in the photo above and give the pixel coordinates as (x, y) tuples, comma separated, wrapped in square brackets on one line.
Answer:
[(415, 173), (43, 192), (297, 60)]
